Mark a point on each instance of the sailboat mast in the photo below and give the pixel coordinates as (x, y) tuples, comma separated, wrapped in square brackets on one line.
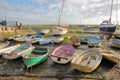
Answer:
[(61, 12), (111, 11)]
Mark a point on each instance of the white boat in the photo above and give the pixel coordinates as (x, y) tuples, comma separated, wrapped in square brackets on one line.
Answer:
[(87, 61), (23, 48), (59, 31), (57, 40), (110, 55), (45, 31), (44, 41), (8, 48)]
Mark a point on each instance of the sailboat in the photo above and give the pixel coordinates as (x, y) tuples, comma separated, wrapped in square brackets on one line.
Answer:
[(59, 30), (106, 26)]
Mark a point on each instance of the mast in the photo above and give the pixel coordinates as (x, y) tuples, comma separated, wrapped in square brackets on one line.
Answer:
[(111, 11), (60, 12)]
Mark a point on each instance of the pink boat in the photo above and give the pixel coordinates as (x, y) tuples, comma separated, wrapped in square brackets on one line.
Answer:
[(63, 54)]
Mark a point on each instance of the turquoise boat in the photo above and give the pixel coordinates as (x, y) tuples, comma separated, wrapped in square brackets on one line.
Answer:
[(35, 56)]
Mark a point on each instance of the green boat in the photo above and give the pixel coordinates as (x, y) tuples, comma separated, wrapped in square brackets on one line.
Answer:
[(35, 56)]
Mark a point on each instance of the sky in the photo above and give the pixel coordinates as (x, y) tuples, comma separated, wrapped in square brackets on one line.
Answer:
[(46, 11)]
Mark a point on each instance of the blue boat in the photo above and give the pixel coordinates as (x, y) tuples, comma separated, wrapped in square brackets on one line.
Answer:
[(115, 43), (44, 41), (37, 36), (91, 41)]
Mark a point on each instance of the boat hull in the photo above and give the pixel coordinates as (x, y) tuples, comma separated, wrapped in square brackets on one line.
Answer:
[(108, 29), (87, 61), (58, 55), (34, 60)]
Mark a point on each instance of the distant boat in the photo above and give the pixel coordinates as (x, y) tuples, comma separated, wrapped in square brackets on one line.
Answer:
[(110, 55), (45, 31), (115, 43), (91, 41), (63, 54), (3, 44), (13, 37), (74, 40), (94, 41), (57, 39), (44, 41), (87, 61), (59, 31), (26, 47), (35, 56), (107, 27)]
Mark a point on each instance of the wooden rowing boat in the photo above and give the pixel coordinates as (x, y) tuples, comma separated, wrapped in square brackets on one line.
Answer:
[(114, 43), (3, 44), (44, 41), (63, 54), (57, 39), (8, 48), (75, 41), (87, 61), (110, 55), (23, 48), (35, 56)]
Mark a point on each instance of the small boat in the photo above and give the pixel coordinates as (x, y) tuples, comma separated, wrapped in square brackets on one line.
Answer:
[(12, 37), (63, 54), (75, 41), (3, 44), (44, 41), (35, 56), (87, 61), (114, 43), (91, 41), (84, 40), (107, 27), (8, 48), (57, 39), (94, 41), (45, 31), (35, 39), (110, 55), (27, 36), (59, 30), (16, 53)]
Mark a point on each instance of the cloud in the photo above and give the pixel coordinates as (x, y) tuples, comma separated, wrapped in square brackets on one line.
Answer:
[(46, 11)]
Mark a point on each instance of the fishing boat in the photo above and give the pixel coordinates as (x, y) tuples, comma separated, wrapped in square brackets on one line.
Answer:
[(35, 56), (8, 48), (106, 26), (16, 53), (74, 40), (87, 61), (44, 41), (57, 39), (58, 29), (115, 42), (110, 55), (63, 54)]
